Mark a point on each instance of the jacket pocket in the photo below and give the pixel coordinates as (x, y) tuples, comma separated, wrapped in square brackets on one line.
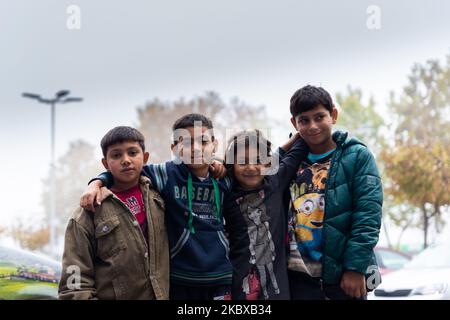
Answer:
[(109, 240), (180, 243), (223, 239)]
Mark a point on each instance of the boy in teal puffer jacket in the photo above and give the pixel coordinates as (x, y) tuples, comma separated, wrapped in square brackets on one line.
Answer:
[(335, 206)]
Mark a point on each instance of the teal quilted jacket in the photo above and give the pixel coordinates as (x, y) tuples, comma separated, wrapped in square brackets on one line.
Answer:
[(353, 202)]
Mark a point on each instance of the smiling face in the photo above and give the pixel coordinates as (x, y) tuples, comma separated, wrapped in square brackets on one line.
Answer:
[(315, 126), (247, 171), (125, 161), (195, 146)]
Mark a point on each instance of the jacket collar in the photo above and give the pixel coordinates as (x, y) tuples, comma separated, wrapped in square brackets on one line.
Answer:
[(106, 193), (183, 168), (344, 140)]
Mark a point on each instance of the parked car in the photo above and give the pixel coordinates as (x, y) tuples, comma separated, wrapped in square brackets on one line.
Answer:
[(390, 260), (25, 275), (425, 277)]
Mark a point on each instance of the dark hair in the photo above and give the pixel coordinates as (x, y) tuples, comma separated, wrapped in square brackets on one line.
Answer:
[(189, 120), (309, 97), (244, 138), (121, 134)]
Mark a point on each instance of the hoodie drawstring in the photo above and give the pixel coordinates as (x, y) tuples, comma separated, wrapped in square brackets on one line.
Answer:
[(216, 199)]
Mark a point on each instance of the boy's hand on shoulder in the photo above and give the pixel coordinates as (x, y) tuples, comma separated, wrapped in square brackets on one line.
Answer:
[(292, 138), (92, 196), (217, 169), (354, 284)]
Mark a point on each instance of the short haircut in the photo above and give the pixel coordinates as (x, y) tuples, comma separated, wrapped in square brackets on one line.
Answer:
[(189, 120), (246, 138), (309, 97), (121, 134)]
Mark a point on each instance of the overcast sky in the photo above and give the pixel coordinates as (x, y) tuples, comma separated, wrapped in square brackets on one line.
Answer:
[(129, 53)]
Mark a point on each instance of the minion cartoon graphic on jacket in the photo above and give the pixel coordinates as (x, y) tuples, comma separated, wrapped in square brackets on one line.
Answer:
[(308, 211)]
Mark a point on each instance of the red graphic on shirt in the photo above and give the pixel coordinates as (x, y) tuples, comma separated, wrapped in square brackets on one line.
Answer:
[(133, 199), (252, 285)]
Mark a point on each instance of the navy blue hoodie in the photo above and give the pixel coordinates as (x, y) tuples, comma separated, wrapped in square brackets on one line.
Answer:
[(200, 257)]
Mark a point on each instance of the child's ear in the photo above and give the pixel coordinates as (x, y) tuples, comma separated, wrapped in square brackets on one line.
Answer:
[(334, 114), (176, 145), (176, 149), (105, 164), (294, 123), (146, 156)]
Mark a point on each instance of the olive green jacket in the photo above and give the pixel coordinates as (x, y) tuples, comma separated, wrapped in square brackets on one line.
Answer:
[(106, 255)]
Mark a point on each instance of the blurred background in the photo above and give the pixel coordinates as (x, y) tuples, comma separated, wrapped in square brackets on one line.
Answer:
[(146, 63)]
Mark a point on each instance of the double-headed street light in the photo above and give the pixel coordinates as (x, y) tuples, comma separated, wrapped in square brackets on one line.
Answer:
[(60, 97)]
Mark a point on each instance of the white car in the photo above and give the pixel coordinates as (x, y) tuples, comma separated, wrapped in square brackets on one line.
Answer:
[(425, 277)]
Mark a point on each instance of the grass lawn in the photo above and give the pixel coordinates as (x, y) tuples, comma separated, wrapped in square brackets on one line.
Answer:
[(7, 269), (26, 289)]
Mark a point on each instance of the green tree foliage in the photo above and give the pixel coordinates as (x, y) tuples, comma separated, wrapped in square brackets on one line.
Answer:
[(361, 119), (422, 111), (359, 116), (418, 164)]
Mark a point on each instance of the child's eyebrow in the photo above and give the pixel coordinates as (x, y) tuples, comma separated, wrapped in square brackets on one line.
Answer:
[(314, 115), (202, 137)]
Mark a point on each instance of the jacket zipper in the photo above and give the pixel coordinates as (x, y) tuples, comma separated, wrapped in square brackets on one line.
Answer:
[(333, 160)]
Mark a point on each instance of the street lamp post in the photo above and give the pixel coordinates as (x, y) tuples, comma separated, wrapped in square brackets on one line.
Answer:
[(60, 97)]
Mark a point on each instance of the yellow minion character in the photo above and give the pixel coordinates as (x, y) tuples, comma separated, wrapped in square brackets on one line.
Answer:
[(310, 214)]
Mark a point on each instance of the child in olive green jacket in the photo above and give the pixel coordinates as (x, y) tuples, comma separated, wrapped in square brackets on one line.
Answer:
[(121, 251)]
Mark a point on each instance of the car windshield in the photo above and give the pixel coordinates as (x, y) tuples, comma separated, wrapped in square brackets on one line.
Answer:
[(436, 256)]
